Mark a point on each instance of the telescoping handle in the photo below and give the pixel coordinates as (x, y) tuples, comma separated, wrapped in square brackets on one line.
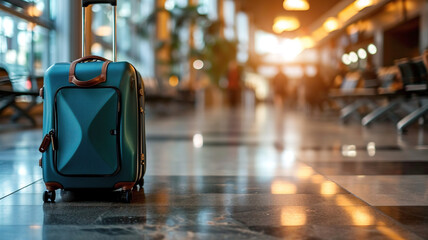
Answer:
[(86, 3)]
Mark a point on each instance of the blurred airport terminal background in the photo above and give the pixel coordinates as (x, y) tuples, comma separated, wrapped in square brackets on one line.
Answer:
[(185, 48), (300, 119)]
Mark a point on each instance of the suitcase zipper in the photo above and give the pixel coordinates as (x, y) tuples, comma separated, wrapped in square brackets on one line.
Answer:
[(46, 141)]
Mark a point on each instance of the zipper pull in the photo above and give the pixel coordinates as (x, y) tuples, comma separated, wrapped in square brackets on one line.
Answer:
[(46, 141), (52, 134)]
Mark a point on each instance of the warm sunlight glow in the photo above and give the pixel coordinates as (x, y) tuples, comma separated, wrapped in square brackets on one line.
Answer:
[(361, 216), (295, 5), (328, 188), (293, 216), (343, 200), (390, 232), (307, 42), (290, 48), (305, 172), (282, 24), (282, 187), (317, 178)]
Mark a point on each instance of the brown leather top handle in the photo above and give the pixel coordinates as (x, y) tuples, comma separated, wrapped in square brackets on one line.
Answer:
[(94, 81)]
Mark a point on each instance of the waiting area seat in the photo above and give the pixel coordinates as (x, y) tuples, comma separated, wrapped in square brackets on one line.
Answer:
[(9, 95), (390, 95), (415, 72), (411, 98), (401, 94), (353, 95)]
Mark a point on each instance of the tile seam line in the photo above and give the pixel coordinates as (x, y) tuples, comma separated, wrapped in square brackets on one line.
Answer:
[(1, 198), (373, 207)]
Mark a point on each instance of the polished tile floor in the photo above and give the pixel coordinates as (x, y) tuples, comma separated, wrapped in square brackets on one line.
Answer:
[(236, 174)]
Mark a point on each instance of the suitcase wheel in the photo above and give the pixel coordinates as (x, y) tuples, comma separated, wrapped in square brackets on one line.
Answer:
[(140, 182), (49, 196), (126, 196)]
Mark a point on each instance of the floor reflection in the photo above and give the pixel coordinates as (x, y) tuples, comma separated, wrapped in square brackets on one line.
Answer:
[(217, 175)]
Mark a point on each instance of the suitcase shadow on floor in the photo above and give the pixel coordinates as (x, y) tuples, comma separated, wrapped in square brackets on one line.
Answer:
[(85, 195)]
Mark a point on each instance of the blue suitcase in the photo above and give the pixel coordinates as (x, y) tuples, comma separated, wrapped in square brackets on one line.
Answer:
[(93, 121)]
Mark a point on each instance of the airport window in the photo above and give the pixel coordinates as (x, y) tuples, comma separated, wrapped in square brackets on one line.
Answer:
[(128, 33), (25, 30)]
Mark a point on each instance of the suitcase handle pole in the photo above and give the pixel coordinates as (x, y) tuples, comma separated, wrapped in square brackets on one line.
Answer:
[(86, 3)]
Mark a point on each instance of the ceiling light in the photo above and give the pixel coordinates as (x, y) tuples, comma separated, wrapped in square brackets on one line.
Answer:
[(345, 59), (361, 4), (296, 5), (353, 57), (198, 64), (372, 49), (331, 24), (362, 53), (307, 42), (282, 24)]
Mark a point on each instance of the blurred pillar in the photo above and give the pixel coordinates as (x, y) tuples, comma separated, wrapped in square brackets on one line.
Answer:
[(252, 56), (379, 43), (220, 10), (162, 35), (423, 28), (192, 71), (238, 9), (68, 32)]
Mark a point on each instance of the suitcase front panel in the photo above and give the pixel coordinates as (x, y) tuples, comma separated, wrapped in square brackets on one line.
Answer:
[(87, 131)]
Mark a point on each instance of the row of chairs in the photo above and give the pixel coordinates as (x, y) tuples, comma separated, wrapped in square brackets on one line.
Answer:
[(9, 95), (401, 94)]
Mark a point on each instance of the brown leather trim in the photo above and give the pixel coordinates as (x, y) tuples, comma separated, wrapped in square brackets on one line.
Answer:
[(94, 81), (124, 185), (52, 186)]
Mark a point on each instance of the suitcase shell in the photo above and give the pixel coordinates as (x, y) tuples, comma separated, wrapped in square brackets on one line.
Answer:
[(99, 131)]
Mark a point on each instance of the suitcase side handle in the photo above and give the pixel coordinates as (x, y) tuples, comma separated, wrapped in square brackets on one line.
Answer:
[(94, 81), (86, 3)]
